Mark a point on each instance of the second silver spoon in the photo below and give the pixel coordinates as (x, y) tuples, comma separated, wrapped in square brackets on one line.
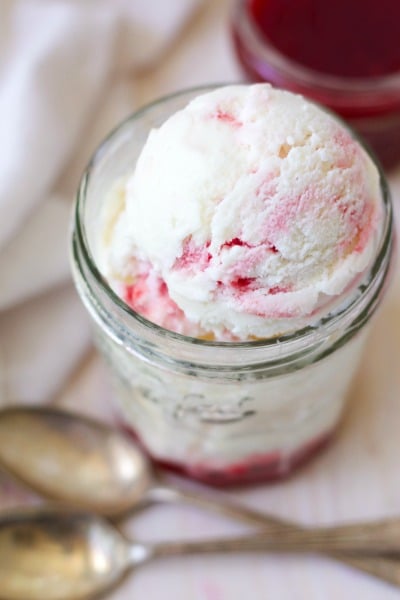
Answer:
[(50, 555)]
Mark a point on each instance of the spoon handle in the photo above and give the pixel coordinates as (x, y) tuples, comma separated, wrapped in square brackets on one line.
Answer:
[(379, 538), (385, 568), (257, 542), (221, 505)]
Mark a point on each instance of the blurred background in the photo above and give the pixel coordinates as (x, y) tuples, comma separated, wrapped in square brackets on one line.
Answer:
[(70, 71)]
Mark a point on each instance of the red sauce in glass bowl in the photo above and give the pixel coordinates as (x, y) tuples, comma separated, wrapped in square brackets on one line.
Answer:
[(347, 38), (344, 54)]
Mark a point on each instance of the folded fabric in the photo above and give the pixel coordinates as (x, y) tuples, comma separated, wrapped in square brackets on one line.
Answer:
[(67, 76)]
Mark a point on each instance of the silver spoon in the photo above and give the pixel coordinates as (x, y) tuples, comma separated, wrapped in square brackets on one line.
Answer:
[(89, 465), (53, 555)]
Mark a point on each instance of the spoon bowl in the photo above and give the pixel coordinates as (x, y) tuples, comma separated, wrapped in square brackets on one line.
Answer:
[(73, 459), (47, 555)]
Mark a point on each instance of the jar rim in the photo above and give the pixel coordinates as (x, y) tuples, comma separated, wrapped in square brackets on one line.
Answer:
[(380, 92), (315, 334)]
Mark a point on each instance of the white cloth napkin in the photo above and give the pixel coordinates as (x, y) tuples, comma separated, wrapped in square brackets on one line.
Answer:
[(67, 70)]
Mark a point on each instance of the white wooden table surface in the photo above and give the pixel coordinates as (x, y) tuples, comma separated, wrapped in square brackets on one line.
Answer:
[(357, 477)]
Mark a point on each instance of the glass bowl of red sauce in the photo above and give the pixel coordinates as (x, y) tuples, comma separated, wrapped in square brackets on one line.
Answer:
[(343, 54)]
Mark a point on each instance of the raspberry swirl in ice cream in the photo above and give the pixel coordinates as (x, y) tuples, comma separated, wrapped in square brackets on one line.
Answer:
[(248, 214)]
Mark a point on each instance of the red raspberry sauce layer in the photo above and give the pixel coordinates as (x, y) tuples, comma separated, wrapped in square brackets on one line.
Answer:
[(257, 468)]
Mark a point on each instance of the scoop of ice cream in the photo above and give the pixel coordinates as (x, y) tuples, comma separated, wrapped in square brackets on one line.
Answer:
[(249, 213)]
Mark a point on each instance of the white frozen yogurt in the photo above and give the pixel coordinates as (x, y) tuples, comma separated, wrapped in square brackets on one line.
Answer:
[(248, 213)]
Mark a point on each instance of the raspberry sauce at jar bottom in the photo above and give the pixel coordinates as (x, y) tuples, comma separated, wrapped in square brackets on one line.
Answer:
[(354, 42), (259, 468)]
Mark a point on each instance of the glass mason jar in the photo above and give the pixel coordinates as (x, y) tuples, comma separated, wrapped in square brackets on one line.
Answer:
[(219, 412), (371, 105)]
